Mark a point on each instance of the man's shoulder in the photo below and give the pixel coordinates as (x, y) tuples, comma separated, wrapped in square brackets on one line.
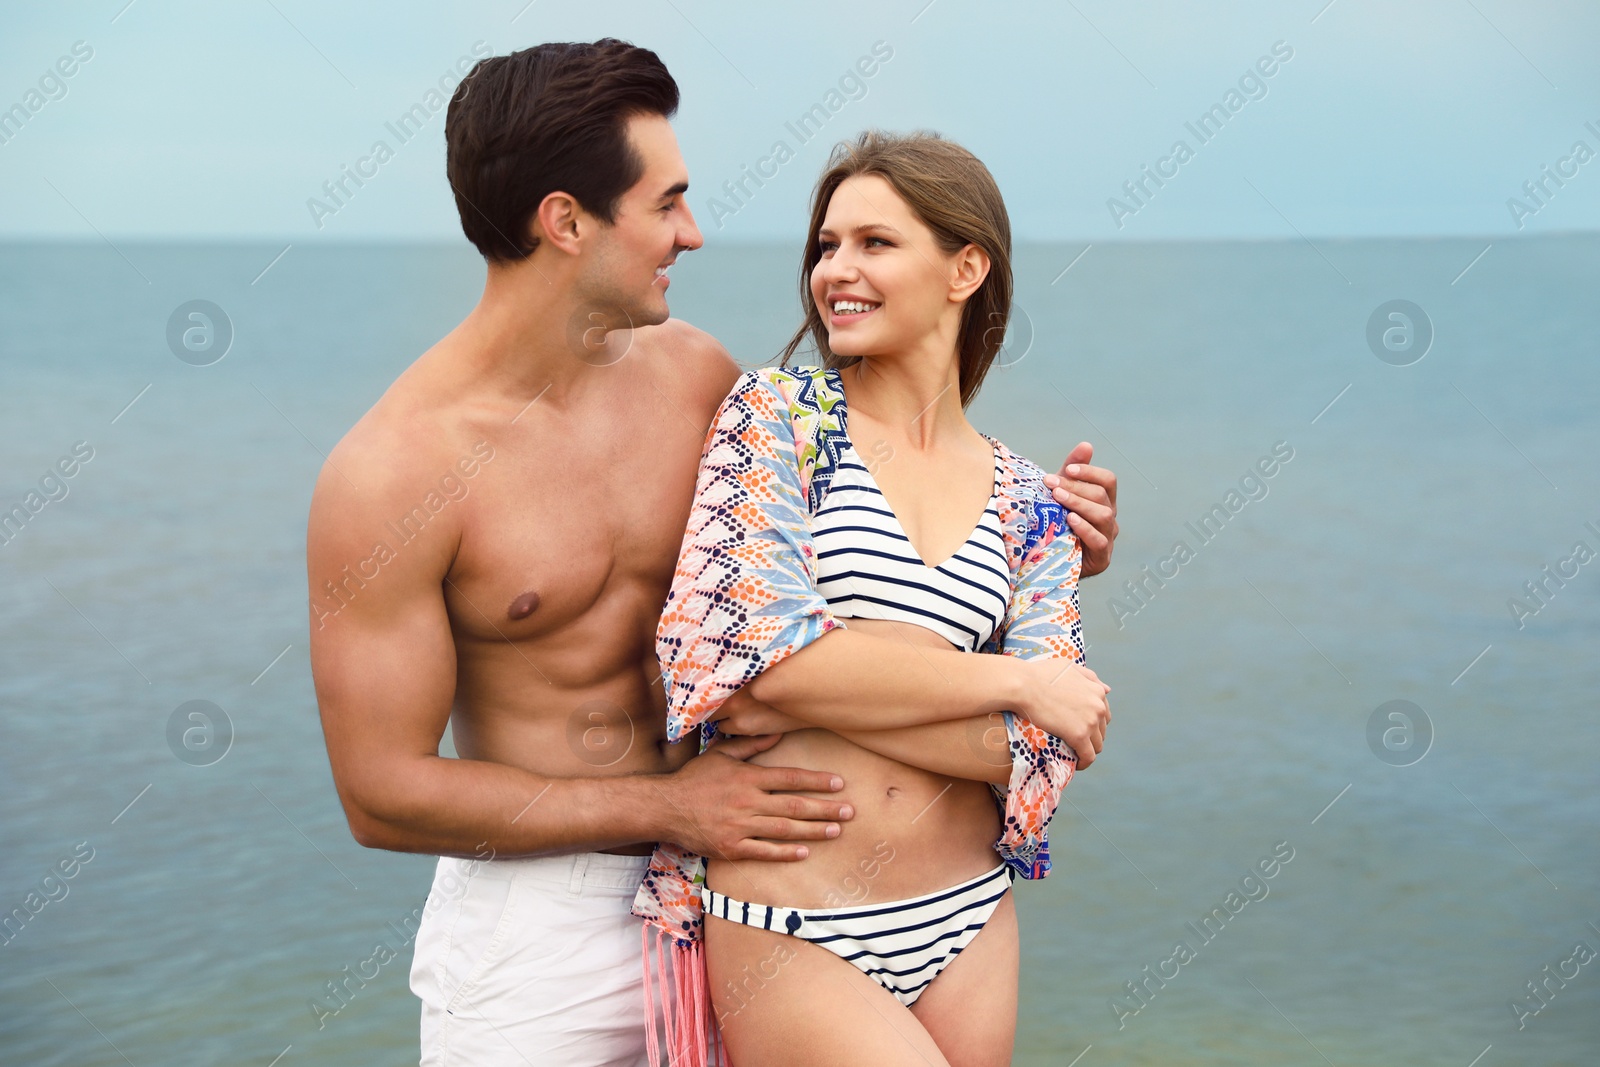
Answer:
[(683, 338), (398, 444), (686, 363), (686, 349)]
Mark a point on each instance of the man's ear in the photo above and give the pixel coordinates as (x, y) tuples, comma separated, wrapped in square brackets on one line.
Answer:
[(557, 222), (970, 268)]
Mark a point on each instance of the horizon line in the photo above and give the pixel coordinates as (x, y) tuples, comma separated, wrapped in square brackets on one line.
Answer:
[(768, 242)]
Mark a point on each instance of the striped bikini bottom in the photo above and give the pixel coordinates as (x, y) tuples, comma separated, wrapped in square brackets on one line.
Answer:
[(902, 944)]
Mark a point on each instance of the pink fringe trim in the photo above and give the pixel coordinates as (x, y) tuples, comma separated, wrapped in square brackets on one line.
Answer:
[(684, 994)]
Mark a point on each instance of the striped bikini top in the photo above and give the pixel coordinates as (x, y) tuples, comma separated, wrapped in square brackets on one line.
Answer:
[(868, 569)]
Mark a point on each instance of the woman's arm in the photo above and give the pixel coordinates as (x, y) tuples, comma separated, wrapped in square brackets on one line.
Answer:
[(974, 748), (846, 680), (979, 748)]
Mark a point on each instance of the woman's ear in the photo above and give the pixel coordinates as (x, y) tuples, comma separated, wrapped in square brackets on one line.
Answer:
[(968, 270)]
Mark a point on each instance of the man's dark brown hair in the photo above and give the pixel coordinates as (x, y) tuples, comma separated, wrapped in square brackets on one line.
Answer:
[(548, 118)]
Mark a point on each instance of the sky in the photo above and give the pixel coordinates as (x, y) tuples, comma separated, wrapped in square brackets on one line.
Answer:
[(200, 121)]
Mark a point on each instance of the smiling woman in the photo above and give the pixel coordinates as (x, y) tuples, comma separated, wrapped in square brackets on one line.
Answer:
[(801, 566)]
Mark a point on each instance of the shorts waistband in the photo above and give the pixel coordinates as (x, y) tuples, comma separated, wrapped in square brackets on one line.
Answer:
[(574, 870)]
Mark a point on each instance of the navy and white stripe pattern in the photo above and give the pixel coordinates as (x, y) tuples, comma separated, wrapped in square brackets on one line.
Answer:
[(868, 569), (902, 945)]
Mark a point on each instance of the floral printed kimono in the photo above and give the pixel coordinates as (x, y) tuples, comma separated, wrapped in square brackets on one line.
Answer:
[(744, 598)]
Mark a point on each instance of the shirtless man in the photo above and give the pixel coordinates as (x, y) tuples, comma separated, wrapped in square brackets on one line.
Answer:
[(490, 546)]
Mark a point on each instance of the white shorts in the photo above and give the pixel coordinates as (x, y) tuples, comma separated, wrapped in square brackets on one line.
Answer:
[(532, 961)]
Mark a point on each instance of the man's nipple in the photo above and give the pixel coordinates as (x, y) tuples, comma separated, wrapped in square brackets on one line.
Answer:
[(523, 606)]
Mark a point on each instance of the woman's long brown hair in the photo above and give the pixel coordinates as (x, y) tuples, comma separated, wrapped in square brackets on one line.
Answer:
[(956, 197)]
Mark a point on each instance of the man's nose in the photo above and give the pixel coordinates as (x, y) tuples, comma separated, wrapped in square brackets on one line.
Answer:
[(689, 237)]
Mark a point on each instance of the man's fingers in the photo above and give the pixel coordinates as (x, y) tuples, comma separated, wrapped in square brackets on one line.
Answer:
[(794, 829), (1082, 452), (1097, 513), (1085, 472), (766, 851), (1073, 493), (742, 748), (1088, 534), (812, 809), (794, 779), (1100, 476)]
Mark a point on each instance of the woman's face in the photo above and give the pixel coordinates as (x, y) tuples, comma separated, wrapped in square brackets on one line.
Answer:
[(883, 284)]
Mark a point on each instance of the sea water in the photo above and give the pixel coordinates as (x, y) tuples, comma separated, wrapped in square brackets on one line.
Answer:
[(1431, 875)]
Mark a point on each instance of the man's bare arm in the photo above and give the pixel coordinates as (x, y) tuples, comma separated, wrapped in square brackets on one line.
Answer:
[(385, 668)]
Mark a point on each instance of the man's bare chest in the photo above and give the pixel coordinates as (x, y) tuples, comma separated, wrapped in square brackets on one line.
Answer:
[(591, 523)]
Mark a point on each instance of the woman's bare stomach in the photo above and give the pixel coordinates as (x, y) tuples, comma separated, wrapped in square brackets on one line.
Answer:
[(913, 832)]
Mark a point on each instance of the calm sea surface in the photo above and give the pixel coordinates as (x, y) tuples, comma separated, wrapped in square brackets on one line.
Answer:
[(1375, 565)]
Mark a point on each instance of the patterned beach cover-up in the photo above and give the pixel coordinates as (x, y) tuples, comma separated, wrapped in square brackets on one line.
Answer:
[(744, 598)]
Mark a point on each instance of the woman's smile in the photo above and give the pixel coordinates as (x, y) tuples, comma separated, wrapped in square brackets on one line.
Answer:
[(845, 309)]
